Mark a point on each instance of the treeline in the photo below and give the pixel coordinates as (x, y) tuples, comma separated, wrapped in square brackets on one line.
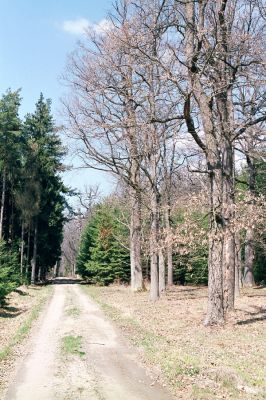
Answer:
[(32, 193), (103, 254), (168, 84)]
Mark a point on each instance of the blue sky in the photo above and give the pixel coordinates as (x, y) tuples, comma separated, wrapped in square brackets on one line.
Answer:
[(35, 39)]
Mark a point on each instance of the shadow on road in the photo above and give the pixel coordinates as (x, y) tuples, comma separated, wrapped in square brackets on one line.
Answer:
[(65, 281)]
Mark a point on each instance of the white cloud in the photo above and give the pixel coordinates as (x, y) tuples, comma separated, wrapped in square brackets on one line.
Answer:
[(76, 26), (79, 26)]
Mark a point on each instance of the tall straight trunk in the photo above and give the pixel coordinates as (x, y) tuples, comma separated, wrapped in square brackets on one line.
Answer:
[(169, 249), (249, 258), (74, 266), (248, 278), (137, 283), (28, 252), (229, 271), (55, 274), (2, 203), (34, 256), (135, 242), (39, 273), (161, 271), (238, 267), (154, 236), (22, 249), (11, 220), (215, 309), (228, 220)]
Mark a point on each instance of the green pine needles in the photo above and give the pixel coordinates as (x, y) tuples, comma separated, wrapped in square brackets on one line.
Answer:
[(103, 257), (9, 277)]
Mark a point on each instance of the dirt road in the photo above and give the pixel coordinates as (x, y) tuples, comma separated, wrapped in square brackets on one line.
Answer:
[(76, 353)]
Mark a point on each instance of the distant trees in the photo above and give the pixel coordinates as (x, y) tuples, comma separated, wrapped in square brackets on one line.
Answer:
[(32, 192)]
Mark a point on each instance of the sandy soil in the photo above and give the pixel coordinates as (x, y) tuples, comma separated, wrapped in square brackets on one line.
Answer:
[(17, 318), (103, 368)]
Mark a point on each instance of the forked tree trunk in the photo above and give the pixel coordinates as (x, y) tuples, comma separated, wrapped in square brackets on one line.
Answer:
[(161, 271), (135, 243), (34, 256), (211, 147), (2, 203), (219, 157)]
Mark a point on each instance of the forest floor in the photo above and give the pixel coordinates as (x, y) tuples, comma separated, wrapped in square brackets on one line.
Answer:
[(75, 352), (198, 363)]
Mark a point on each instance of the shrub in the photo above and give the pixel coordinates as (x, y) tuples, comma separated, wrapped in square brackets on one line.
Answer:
[(9, 277)]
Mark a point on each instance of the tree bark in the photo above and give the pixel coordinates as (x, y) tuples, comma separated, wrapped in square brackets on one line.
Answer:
[(216, 114), (55, 275), (22, 249), (135, 242), (161, 271), (215, 310), (154, 291), (248, 278), (34, 257), (28, 252), (2, 203), (228, 218), (238, 272), (249, 258), (169, 250)]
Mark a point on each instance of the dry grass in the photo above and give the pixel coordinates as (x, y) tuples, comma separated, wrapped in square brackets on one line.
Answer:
[(197, 362)]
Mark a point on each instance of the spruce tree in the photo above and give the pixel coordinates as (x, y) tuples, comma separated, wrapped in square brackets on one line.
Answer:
[(102, 259), (44, 162)]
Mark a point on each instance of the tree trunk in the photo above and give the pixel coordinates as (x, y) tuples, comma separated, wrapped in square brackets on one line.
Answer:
[(228, 190), (22, 249), (135, 243), (161, 271), (238, 272), (28, 253), (2, 203), (211, 148), (249, 258), (154, 291), (34, 256), (215, 310), (229, 271), (56, 270), (169, 250), (248, 278)]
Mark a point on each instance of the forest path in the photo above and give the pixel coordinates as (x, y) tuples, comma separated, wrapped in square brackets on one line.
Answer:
[(76, 353)]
